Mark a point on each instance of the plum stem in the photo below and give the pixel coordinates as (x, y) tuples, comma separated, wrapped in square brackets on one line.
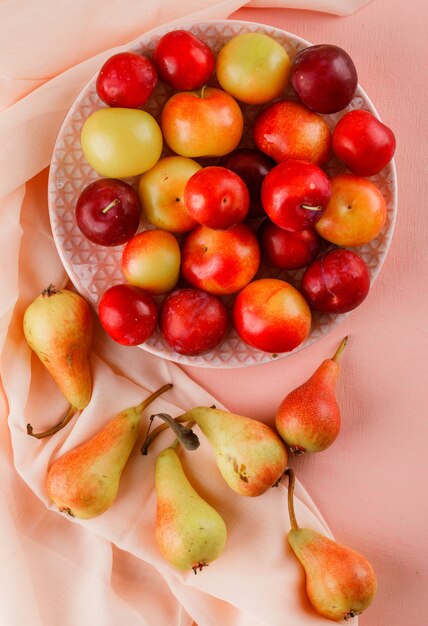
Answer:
[(311, 208), (111, 205), (51, 431), (291, 512), (340, 349)]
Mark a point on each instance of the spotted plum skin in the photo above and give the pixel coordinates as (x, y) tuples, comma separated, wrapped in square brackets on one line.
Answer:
[(126, 80), (220, 262), (288, 130), (336, 282), (252, 166), (363, 143), (216, 197), (324, 77), (108, 212), (295, 194), (271, 315), (285, 249), (192, 321), (128, 314)]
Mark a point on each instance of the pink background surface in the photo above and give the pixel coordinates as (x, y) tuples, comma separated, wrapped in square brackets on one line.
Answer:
[(371, 485)]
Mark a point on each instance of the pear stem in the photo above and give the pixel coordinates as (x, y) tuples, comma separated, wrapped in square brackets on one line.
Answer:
[(176, 443), (145, 403), (340, 349), (150, 438), (72, 410), (188, 438), (49, 291), (291, 512), (51, 431)]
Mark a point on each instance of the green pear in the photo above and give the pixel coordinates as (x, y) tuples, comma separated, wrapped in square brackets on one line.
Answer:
[(308, 418), (58, 327), (84, 482), (340, 582), (189, 532), (249, 454)]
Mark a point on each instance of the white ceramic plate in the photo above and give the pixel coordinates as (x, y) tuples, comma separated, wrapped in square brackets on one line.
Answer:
[(93, 268)]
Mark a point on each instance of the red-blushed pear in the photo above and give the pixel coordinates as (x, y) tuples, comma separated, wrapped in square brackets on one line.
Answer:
[(58, 326), (85, 481), (190, 533), (249, 454), (340, 582), (308, 419)]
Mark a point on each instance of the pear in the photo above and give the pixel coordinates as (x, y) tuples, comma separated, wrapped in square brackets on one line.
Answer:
[(58, 327), (340, 582), (249, 454), (84, 482), (308, 419), (190, 533)]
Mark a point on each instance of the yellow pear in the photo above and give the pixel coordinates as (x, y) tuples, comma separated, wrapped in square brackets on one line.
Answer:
[(249, 454), (189, 531), (58, 327)]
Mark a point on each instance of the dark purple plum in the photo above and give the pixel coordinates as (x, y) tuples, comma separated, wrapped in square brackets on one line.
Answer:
[(324, 78), (108, 212)]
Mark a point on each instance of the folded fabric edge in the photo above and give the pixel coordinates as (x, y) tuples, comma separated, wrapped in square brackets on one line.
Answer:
[(340, 8)]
